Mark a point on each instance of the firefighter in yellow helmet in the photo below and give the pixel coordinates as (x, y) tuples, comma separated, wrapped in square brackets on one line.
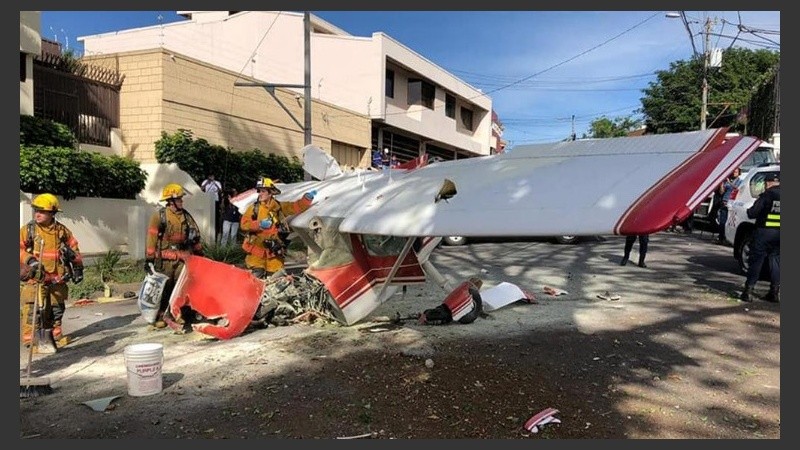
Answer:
[(266, 229), (49, 257), (172, 235)]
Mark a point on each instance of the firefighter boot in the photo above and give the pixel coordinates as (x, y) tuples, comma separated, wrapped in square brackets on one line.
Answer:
[(57, 331), (45, 344), (746, 295)]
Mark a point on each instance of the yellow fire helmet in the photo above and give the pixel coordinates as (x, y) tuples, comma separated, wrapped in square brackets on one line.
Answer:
[(268, 184), (172, 190), (45, 202)]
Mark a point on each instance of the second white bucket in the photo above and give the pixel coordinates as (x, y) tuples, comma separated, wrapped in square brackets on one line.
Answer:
[(144, 362)]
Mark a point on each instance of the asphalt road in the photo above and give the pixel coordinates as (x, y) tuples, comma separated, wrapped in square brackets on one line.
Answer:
[(678, 265)]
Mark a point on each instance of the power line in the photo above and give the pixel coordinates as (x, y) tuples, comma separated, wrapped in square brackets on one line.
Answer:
[(486, 94), (576, 56)]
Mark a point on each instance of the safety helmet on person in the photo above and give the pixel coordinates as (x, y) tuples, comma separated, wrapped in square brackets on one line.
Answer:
[(172, 191), (268, 185), (45, 202)]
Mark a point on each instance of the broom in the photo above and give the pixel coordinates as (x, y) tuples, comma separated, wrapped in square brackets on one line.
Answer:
[(30, 386)]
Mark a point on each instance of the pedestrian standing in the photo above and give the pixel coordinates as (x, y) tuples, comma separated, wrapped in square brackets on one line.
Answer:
[(726, 189), (766, 242), (644, 239), (213, 187), (230, 219)]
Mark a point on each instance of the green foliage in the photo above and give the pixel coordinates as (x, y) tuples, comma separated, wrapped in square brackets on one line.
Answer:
[(109, 269), (238, 170), (673, 102), (761, 115), (105, 266), (87, 288), (606, 128), (230, 253), (71, 173), (37, 131)]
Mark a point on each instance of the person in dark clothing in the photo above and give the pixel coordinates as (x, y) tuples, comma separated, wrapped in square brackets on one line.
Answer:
[(230, 219), (725, 190), (643, 241), (766, 242)]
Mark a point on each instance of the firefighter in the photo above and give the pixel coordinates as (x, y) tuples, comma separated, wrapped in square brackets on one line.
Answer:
[(766, 242), (49, 257), (172, 236), (266, 229)]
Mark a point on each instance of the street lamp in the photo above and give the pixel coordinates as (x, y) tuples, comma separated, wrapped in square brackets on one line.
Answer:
[(709, 23)]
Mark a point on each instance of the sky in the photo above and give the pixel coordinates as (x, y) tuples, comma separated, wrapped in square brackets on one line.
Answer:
[(549, 73)]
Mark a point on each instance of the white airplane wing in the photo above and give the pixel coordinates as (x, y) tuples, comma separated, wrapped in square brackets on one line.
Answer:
[(628, 185)]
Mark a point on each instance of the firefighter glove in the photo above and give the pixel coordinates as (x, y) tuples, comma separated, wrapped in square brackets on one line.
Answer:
[(266, 223), (77, 274), (148, 266), (36, 269)]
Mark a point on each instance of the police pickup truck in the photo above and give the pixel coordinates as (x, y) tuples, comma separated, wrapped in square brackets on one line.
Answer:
[(739, 228), (705, 214)]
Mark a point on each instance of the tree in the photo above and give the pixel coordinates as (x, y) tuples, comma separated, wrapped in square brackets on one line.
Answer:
[(605, 127), (673, 102)]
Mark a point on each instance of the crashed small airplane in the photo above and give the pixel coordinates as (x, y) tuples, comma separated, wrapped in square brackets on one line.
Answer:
[(369, 233)]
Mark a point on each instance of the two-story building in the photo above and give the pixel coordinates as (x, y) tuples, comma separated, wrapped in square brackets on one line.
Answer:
[(413, 105)]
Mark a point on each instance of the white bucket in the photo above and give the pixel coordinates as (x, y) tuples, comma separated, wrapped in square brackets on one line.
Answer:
[(144, 362)]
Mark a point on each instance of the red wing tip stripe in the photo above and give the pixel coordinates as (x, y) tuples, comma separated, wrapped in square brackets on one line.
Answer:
[(530, 423)]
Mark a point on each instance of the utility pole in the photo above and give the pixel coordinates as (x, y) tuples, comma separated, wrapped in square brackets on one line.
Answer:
[(573, 136), (706, 55), (307, 80), (270, 87), (707, 26)]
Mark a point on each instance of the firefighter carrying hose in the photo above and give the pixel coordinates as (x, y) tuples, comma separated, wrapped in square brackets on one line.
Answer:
[(49, 257), (172, 235), (266, 229)]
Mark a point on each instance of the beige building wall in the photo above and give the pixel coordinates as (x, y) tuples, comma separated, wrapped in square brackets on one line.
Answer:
[(166, 91), (30, 43)]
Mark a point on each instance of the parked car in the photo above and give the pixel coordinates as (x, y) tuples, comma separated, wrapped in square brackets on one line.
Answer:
[(705, 213), (461, 240), (739, 228)]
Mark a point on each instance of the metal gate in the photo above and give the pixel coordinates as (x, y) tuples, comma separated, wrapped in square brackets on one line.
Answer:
[(82, 102)]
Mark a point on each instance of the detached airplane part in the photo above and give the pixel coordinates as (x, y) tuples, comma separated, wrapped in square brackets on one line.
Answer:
[(628, 185), (368, 232)]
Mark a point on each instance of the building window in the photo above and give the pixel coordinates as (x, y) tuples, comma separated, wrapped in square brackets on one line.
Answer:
[(450, 106), (421, 92), (390, 83), (23, 70), (466, 118)]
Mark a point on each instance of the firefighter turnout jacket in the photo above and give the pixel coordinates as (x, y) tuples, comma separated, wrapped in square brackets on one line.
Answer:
[(262, 244), (172, 235), (44, 243)]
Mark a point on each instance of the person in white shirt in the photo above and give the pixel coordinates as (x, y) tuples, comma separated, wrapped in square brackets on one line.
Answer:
[(211, 186)]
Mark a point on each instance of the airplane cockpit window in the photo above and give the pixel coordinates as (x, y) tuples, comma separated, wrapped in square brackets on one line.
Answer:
[(377, 245)]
